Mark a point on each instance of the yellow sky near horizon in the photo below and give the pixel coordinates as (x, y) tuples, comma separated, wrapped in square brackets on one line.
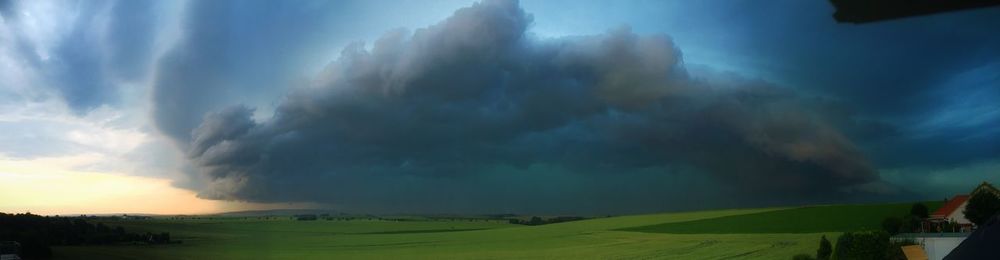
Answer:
[(52, 186)]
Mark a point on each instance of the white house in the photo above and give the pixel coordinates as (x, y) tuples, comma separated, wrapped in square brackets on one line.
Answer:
[(952, 210), (939, 243)]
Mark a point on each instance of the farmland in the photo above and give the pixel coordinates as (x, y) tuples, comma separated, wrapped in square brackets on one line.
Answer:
[(814, 219), (743, 233)]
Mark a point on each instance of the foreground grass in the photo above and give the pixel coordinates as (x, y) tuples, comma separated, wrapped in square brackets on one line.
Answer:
[(815, 219), (604, 238)]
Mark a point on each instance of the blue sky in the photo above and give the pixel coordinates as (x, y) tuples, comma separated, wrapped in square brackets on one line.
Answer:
[(503, 106)]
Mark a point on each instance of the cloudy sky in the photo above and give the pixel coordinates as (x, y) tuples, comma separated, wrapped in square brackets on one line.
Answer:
[(536, 107)]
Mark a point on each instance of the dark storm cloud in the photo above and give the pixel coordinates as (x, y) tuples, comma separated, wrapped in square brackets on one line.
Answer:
[(237, 51), (798, 41), (963, 126), (884, 78), (425, 117), (889, 77)]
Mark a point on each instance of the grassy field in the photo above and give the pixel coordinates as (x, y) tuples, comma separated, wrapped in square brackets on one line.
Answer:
[(604, 238), (815, 219)]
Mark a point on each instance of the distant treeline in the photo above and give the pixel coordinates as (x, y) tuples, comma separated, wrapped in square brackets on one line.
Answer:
[(535, 221), (36, 233), (309, 217), (503, 218)]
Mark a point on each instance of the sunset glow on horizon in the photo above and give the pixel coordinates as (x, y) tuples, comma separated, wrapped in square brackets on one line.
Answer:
[(51, 186)]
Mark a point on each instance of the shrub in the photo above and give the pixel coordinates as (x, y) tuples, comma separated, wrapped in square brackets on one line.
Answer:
[(535, 221), (892, 225), (825, 249), (910, 224), (862, 245), (982, 206), (34, 246), (919, 210)]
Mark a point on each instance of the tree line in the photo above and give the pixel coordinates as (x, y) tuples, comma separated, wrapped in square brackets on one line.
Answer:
[(857, 245), (36, 233), (535, 221)]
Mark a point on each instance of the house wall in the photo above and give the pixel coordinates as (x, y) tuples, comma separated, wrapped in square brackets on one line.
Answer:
[(958, 215), (938, 247)]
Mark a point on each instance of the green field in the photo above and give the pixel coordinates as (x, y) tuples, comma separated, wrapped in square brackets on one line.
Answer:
[(603, 238), (814, 219)]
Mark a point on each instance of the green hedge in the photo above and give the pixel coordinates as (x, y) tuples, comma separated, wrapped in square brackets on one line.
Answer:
[(870, 244)]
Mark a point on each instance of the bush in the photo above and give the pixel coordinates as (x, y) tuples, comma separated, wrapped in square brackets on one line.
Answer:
[(825, 249), (803, 257), (982, 206), (919, 210), (862, 245), (892, 225), (34, 246), (161, 238), (910, 224), (535, 221)]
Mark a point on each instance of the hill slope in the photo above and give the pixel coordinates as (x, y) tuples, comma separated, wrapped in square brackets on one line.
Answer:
[(812, 219), (602, 238)]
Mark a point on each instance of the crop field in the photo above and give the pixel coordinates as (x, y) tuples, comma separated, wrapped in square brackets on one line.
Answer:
[(713, 235), (814, 219)]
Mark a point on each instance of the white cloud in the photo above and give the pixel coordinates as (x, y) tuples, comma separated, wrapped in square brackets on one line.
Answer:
[(111, 139), (35, 120)]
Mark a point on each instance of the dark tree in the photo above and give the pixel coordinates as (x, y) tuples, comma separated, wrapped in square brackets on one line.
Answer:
[(892, 225), (36, 233), (162, 238), (535, 221), (825, 249), (802, 257), (919, 210), (862, 245), (982, 206), (34, 246), (911, 224)]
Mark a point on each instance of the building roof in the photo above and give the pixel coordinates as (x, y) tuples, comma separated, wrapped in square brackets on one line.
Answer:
[(950, 207)]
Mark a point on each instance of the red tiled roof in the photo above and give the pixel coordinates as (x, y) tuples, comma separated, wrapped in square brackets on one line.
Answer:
[(950, 207)]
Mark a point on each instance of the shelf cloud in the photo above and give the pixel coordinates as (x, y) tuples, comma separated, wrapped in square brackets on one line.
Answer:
[(431, 109)]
